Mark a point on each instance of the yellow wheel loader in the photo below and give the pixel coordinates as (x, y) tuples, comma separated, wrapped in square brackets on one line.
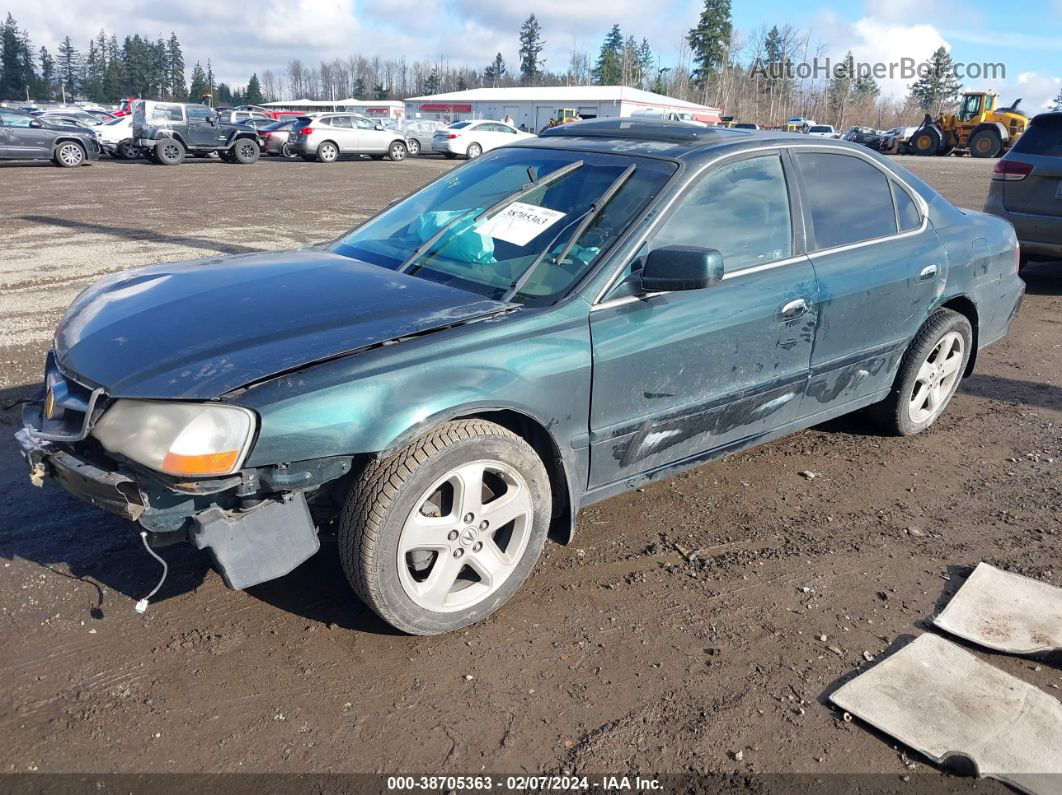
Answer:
[(979, 127)]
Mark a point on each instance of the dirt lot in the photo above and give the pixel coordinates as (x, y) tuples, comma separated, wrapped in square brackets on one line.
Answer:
[(619, 654)]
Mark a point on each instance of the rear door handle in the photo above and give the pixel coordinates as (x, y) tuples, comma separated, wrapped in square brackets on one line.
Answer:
[(927, 273), (793, 309)]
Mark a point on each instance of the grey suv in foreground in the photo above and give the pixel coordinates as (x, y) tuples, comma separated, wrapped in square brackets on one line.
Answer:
[(1027, 189), (25, 137), (556, 322)]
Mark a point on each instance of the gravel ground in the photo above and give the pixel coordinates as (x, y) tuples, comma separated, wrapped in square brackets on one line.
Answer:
[(696, 625)]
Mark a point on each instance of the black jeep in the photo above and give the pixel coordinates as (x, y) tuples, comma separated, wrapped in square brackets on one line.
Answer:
[(166, 131)]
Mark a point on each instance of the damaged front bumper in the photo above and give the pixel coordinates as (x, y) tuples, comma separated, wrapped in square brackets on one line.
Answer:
[(256, 526)]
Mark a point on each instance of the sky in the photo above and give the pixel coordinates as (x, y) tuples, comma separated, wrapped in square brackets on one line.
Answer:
[(1025, 36)]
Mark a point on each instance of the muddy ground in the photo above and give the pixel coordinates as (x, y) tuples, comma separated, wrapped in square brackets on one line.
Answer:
[(623, 652)]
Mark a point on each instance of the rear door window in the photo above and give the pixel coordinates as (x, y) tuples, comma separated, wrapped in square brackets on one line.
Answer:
[(1044, 137), (907, 212), (341, 121), (848, 200)]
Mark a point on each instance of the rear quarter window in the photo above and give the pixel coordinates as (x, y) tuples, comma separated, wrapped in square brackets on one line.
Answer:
[(848, 200), (1044, 137)]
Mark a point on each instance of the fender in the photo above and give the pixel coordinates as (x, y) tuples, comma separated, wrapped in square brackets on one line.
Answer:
[(1001, 129)]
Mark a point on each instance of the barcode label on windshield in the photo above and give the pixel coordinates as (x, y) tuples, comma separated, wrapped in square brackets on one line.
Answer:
[(520, 223)]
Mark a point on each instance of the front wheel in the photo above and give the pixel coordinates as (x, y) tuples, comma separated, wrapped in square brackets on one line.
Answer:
[(929, 374), (441, 533), (397, 151), (69, 155), (925, 142)]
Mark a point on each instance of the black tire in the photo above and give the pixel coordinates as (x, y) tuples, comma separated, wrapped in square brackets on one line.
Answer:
[(413, 145), (246, 151), (388, 491), (893, 414), (474, 150), (397, 151), (69, 154), (169, 151), (925, 142), (127, 150), (328, 152), (986, 143), (287, 152)]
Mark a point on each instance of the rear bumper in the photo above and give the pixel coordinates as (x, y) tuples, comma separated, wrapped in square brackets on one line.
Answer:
[(1039, 235)]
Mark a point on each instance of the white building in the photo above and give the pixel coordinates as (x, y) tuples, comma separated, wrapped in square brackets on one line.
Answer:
[(532, 107), (381, 109)]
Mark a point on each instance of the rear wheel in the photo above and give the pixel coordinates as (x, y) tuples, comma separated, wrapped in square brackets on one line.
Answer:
[(328, 152), (473, 151), (169, 151), (925, 142), (246, 151), (69, 154), (929, 374), (985, 143), (440, 534)]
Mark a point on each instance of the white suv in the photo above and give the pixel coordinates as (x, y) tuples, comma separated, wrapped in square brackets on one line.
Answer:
[(330, 135), (472, 138), (822, 131)]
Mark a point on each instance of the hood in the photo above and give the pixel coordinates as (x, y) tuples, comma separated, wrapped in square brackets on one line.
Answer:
[(200, 329)]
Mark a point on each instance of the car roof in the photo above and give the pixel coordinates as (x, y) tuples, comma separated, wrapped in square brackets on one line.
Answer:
[(667, 139)]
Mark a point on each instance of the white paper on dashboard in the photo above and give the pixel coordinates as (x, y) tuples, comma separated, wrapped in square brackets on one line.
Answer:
[(520, 223)]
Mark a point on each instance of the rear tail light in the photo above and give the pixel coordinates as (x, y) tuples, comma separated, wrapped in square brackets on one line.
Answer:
[(1017, 257), (265, 135), (451, 136), (1011, 171), (306, 131)]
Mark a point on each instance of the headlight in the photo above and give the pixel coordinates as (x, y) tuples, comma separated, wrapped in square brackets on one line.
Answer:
[(198, 439)]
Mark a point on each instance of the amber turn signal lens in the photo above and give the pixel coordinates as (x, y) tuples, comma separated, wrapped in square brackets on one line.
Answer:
[(210, 464)]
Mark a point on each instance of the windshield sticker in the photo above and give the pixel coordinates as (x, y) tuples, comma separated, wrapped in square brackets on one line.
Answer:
[(521, 223)]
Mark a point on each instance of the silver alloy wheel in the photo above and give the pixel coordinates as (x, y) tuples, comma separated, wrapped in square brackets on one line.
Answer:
[(328, 152), (398, 151), (413, 145), (454, 561), (937, 378), (71, 154), (473, 151)]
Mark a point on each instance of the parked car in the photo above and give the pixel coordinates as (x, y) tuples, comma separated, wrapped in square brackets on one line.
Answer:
[(61, 120), (236, 116), (274, 138), (166, 131), (272, 113), (822, 131), (572, 316), (470, 139), (896, 140), (25, 137), (116, 138), (865, 136), (329, 136), (419, 134), (1026, 188), (745, 125)]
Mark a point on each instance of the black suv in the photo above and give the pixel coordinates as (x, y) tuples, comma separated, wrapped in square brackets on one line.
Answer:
[(166, 131), (25, 137)]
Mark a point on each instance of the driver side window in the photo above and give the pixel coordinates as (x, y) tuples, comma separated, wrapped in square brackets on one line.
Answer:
[(198, 114)]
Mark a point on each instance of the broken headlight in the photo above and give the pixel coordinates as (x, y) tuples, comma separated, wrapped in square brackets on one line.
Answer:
[(184, 439)]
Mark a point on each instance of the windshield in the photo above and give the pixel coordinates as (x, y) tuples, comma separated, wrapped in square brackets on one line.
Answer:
[(459, 231)]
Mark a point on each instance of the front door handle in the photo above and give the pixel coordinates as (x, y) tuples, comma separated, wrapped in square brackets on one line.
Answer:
[(793, 309), (927, 273)]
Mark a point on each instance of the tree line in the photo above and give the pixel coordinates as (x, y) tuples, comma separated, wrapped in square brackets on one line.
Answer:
[(747, 75)]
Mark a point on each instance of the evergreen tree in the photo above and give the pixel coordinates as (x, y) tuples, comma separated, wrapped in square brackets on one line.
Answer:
[(531, 45), (211, 87), (494, 73), (380, 92), (710, 40), (69, 67), (360, 90), (608, 71), (111, 89), (646, 62), (431, 85), (95, 68), (198, 86), (778, 82), (224, 96), (254, 91), (939, 87), (1058, 101), (178, 89), (46, 87), (839, 88), (12, 85)]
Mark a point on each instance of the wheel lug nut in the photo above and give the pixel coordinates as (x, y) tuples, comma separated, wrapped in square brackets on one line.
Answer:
[(452, 535), (468, 518), (458, 552), (477, 546), (484, 525)]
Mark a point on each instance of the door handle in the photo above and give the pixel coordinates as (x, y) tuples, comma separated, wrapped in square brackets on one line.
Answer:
[(793, 309), (927, 273)]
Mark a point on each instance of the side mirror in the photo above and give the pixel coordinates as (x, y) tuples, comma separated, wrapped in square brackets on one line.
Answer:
[(213, 119), (35, 124), (681, 268), (379, 127)]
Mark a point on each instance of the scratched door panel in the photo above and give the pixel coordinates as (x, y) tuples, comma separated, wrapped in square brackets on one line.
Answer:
[(683, 373)]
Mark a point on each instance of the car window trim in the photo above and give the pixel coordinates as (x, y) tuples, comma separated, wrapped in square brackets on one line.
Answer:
[(923, 206)]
